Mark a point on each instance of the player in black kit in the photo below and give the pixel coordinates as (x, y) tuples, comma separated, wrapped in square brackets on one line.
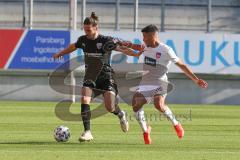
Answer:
[(99, 76)]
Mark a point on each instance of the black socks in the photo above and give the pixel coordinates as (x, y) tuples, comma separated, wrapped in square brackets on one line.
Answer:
[(86, 116)]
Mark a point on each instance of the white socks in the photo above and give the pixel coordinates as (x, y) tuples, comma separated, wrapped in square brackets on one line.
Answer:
[(141, 119), (168, 113)]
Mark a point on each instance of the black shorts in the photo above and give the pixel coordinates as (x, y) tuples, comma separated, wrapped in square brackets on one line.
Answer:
[(104, 82)]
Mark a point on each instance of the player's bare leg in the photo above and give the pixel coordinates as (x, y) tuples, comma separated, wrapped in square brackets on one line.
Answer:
[(137, 102), (159, 103), (86, 114), (112, 106)]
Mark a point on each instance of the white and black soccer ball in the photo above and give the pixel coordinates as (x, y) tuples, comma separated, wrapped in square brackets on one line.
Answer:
[(62, 134)]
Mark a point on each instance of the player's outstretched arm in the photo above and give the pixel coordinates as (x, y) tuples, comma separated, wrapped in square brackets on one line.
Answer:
[(128, 51), (138, 47), (201, 83), (67, 50)]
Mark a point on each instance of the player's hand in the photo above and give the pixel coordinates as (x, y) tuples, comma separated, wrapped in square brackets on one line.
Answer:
[(138, 54), (142, 47), (141, 51), (126, 43), (201, 83)]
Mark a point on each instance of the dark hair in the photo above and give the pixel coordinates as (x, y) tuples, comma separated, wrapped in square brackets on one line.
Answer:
[(150, 28), (92, 20)]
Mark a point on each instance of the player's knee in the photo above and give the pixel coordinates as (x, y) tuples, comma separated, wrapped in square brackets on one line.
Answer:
[(133, 103), (135, 109), (159, 106), (138, 105), (85, 99)]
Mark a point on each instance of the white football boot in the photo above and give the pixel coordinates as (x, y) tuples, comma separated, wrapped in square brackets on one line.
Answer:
[(86, 136), (123, 121)]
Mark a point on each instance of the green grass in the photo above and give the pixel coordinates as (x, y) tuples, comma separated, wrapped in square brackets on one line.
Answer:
[(211, 132)]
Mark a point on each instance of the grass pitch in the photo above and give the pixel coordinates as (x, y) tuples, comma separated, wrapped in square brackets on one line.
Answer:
[(211, 133)]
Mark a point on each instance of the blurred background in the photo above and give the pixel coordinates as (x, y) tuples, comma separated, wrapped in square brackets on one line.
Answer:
[(204, 33), (191, 15)]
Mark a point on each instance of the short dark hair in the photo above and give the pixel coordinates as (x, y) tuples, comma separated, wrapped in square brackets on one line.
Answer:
[(150, 28), (92, 20)]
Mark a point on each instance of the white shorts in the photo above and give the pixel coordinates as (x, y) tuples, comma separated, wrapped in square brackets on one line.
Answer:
[(150, 89)]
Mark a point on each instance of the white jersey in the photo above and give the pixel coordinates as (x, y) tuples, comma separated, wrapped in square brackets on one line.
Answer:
[(157, 62)]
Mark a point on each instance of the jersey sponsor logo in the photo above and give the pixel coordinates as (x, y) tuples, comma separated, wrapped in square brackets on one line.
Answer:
[(158, 55), (83, 45), (93, 54), (99, 45), (112, 80), (150, 61)]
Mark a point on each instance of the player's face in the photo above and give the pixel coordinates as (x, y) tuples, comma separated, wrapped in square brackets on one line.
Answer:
[(90, 30), (150, 38)]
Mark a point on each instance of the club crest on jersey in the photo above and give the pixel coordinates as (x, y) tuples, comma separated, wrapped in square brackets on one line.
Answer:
[(158, 55), (99, 45)]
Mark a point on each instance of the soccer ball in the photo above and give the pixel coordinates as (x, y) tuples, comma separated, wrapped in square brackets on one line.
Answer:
[(61, 134)]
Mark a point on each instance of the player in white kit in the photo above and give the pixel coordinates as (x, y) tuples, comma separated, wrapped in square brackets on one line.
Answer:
[(154, 85)]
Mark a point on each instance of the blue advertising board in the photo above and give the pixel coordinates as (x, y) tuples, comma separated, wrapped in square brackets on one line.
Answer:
[(36, 48)]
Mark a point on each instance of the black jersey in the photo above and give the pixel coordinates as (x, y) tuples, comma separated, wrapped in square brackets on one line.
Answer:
[(97, 61)]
